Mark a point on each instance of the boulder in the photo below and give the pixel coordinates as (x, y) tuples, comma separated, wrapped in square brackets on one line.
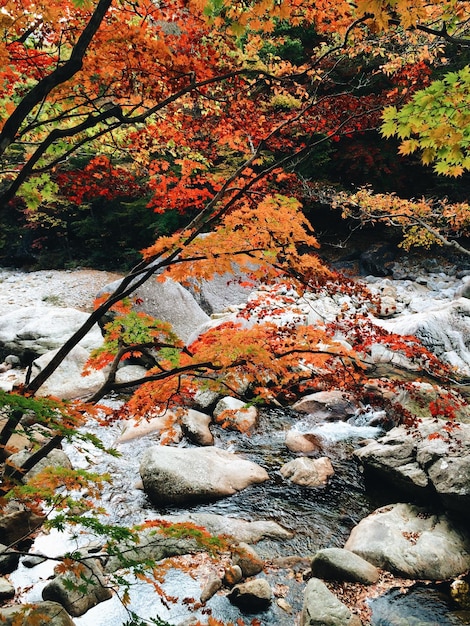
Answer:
[(10, 362), (32, 559), (327, 405), (68, 589), (17, 522), (322, 608), (68, 382), (409, 541), (232, 575), (418, 397), (308, 472), (130, 373), (50, 613), (222, 291), (246, 557), (195, 426), (235, 413), (242, 531), (151, 545), (429, 460), (8, 559), (211, 587), (167, 301), (184, 475), (55, 458), (252, 596), (385, 304), (150, 426), (340, 564), (303, 443), (205, 399), (386, 307), (7, 590), (33, 331)]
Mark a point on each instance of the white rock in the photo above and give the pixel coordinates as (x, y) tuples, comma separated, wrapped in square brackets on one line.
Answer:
[(36, 330), (239, 415), (184, 475), (67, 382), (308, 472), (167, 301)]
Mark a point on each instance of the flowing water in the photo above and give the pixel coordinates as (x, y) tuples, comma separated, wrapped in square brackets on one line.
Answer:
[(422, 605), (318, 518)]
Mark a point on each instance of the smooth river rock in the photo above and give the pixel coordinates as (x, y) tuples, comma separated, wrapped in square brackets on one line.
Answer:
[(322, 608), (340, 564), (68, 382), (253, 595), (167, 301), (308, 472), (241, 530), (185, 475), (78, 593)]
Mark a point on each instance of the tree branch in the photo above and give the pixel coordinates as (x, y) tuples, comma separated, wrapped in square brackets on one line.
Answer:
[(60, 75)]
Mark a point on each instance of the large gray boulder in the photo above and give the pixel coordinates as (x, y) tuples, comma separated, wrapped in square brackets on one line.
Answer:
[(167, 301), (32, 331), (8, 559), (323, 608), (409, 541), (55, 458), (184, 475), (222, 291), (327, 405), (428, 460)]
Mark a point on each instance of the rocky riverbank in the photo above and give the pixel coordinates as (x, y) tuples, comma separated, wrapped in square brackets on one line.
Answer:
[(413, 535)]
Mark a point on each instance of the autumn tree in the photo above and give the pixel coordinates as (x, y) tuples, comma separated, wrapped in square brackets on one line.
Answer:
[(199, 100), (432, 123)]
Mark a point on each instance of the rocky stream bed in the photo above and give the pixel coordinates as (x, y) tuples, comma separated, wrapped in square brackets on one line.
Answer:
[(321, 476)]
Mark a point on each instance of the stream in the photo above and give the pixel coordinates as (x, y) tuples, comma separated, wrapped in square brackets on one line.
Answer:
[(318, 518)]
